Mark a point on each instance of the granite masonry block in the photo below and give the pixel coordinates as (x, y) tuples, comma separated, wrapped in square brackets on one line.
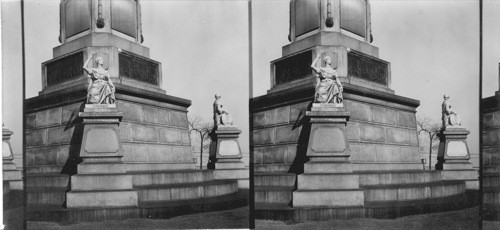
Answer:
[(406, 119), (159, 153), (363, 152), (259, 119), (287, 133), (291, 152), (258, 154), (413, 137), (391, 116), (135, 153), (271, 117), (125, 131), (283, 115), (70, 112), (30, 120), (46, 156), (163, 116), (36, 138), (372, 133), (491, 137), (279, 154), (144, 133), (298, 111), (379, 114), (353, 131), (185, 137), (168, 135), (30, 156), (182, 154), (398, 136), (150, 114), (388, 153), (49, 117), (178, 119), (263, 136), (62, 154), (488, 121), (359, 111), (59, 135), (131, 112)]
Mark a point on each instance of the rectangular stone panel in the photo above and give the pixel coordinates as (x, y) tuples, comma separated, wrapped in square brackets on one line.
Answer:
[(275, 154), (258, 154), (59, 135), (359, 111), (372, 133), (178, 119), (77, 17), (263, 136), (170, 136), (353, 16), (132, 112), (491, 137), (258, 119), (135, 153), (291, 153), (293, 68), (182, 154), (379, 114), (64, 69), (163, 117), (388, 153), (150, 114), (398, 136), (125, 131), (363, 152), (298, 111), (62, 154), (353, 131), (36, 138), (30, 120), (144, 133), (159, 153), (123, 17), (307, 16), (391, 116), (138, 68), (46, 156), (287, 133), (406, 119), (70, 112), (283, 113), (367, 68)]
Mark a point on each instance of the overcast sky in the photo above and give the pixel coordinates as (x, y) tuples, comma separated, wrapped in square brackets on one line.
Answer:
[(491, 45), (433, 48)]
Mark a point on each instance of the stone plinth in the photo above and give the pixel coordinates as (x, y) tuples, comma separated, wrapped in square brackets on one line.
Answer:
[(453, 157), (225, 155), (11, 175), (327, 180), (101, 180)]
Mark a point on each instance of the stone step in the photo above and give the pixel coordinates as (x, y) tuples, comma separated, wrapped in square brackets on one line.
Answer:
[(322, 181), (12, 175), (46, 196), (413, 191), (367, 178), (274, 179), (372, 166), (16, 184), (87, 182), (272, 167), (272, 206), (47, 180), (241, 173), (328, 167), (491, 180), (186, 191), (273, 194), (141, 178), (459, 174), (44, 169), (328, 198), (101, 198)]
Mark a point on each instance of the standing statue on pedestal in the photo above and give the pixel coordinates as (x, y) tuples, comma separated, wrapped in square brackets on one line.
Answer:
[(450, 118), (101, 90), (328, 87), (221, 117)]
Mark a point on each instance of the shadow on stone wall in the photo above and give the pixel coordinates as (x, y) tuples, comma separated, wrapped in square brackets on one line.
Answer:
[(70, 167), (297, 166)]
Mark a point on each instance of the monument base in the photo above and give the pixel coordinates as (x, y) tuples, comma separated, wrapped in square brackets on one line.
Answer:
[(12, 175), (101, 180)]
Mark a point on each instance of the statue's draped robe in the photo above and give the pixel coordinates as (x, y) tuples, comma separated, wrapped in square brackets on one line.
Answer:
[(327, 89), (101, 90)]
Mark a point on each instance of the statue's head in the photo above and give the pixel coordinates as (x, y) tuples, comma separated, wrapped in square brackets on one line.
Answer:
[(446, 96), (99, 61), (327, 60), (217, 96)]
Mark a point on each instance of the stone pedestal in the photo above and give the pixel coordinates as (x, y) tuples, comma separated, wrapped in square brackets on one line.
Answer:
[(453, 157), (225, 155), (327, 179), (101, 180), (11, 175)]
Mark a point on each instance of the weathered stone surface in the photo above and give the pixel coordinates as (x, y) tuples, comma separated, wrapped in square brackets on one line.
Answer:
[(30, 156), (291, 153), (413, 137), (283, 114), (168, 135), (274, 154), (391, 116), (271, 117), (59, 135), (398, 136), (30, 120), (406, 119), (163, 116), (49, 117), (263, 136), (150, 114), (287, 134), (36, 138), (125, 131), (135, 153), (46, 156), (182, 154), (159, 153), (131, 112), (258, 154), (185, 137), (359, 111), (298, 111), (178, 119), (363, 152), (491, 137), (372, 133), (379, 114), (258, 119), (144, 133), (62, 154), (70, 112), (353, 131), (388, 153)]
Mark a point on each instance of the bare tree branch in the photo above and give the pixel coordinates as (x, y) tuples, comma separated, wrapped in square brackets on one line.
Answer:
[(202, 128), (426, 125)]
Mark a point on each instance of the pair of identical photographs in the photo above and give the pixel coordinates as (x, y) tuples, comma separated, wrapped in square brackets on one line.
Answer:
[(204, 48)]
